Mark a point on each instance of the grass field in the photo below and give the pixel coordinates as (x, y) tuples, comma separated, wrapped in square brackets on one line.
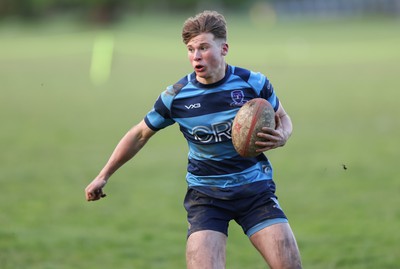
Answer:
[(337, 79)]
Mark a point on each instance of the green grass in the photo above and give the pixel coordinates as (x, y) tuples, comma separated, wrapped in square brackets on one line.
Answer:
[(338, 81)]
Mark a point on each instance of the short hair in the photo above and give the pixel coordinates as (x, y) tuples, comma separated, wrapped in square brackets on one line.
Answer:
[(204, 22)]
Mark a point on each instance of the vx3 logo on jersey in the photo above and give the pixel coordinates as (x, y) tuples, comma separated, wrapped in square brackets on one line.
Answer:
[(192, 106)]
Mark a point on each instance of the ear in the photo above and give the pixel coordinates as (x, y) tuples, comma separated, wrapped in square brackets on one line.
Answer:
[(225, 49)]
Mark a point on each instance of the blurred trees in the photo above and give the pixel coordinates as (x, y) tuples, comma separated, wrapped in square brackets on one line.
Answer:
[(111, 10), (102, 10)]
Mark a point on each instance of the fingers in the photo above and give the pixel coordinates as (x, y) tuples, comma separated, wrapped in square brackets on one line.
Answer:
[(269, 134), (269, 139), (265, 146), (94, 191), (95, 195)]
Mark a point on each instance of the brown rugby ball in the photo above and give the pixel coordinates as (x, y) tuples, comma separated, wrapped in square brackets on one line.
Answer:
[(249, 120)]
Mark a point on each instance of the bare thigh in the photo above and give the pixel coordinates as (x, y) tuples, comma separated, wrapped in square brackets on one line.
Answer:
[(206, 250), (277, 245)]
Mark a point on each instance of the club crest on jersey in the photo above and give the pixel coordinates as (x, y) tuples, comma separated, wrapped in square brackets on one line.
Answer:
[(238, 98)]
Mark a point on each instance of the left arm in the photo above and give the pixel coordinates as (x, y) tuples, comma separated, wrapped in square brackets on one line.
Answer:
[(278, 137)]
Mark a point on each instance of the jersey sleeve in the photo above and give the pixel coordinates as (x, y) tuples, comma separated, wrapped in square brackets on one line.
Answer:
[(264, 88), (260, 84), (160, 116)]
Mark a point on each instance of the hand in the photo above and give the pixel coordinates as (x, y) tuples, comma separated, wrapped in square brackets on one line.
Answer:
[(272, 138), (94, 191)]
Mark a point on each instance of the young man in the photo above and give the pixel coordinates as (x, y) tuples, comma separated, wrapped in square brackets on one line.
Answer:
[(222, 186)]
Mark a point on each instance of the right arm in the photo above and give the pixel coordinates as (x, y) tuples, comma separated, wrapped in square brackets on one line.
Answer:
[(127, 147)]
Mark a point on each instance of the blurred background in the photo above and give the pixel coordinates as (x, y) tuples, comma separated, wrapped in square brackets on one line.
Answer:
[(76, 75), (105, 11)]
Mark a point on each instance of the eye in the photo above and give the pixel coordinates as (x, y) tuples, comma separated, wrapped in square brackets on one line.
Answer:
[(191, 50)]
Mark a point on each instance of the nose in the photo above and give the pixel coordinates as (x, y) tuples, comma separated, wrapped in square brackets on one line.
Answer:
[(197, 55)]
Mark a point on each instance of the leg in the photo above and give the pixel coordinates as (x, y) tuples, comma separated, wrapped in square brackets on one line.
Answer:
[(277, 245), (206, 250)]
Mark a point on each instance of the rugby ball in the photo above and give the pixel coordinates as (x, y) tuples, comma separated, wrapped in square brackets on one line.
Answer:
[(249, 120)]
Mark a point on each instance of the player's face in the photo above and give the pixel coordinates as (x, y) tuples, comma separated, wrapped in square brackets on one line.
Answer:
[(206, 55)]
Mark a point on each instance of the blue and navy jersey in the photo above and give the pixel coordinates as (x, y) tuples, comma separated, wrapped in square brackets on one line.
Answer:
[(205, 114)]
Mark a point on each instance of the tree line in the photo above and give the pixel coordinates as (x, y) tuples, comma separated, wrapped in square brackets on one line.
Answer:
[(104, 10)]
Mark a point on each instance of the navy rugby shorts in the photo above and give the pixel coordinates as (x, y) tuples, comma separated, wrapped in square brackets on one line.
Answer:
[(252, 213)]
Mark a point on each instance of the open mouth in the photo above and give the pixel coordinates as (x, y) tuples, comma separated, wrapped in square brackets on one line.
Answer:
[(199, 68)]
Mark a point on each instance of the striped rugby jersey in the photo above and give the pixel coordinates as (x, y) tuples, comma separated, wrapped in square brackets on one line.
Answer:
[(205, 114)]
